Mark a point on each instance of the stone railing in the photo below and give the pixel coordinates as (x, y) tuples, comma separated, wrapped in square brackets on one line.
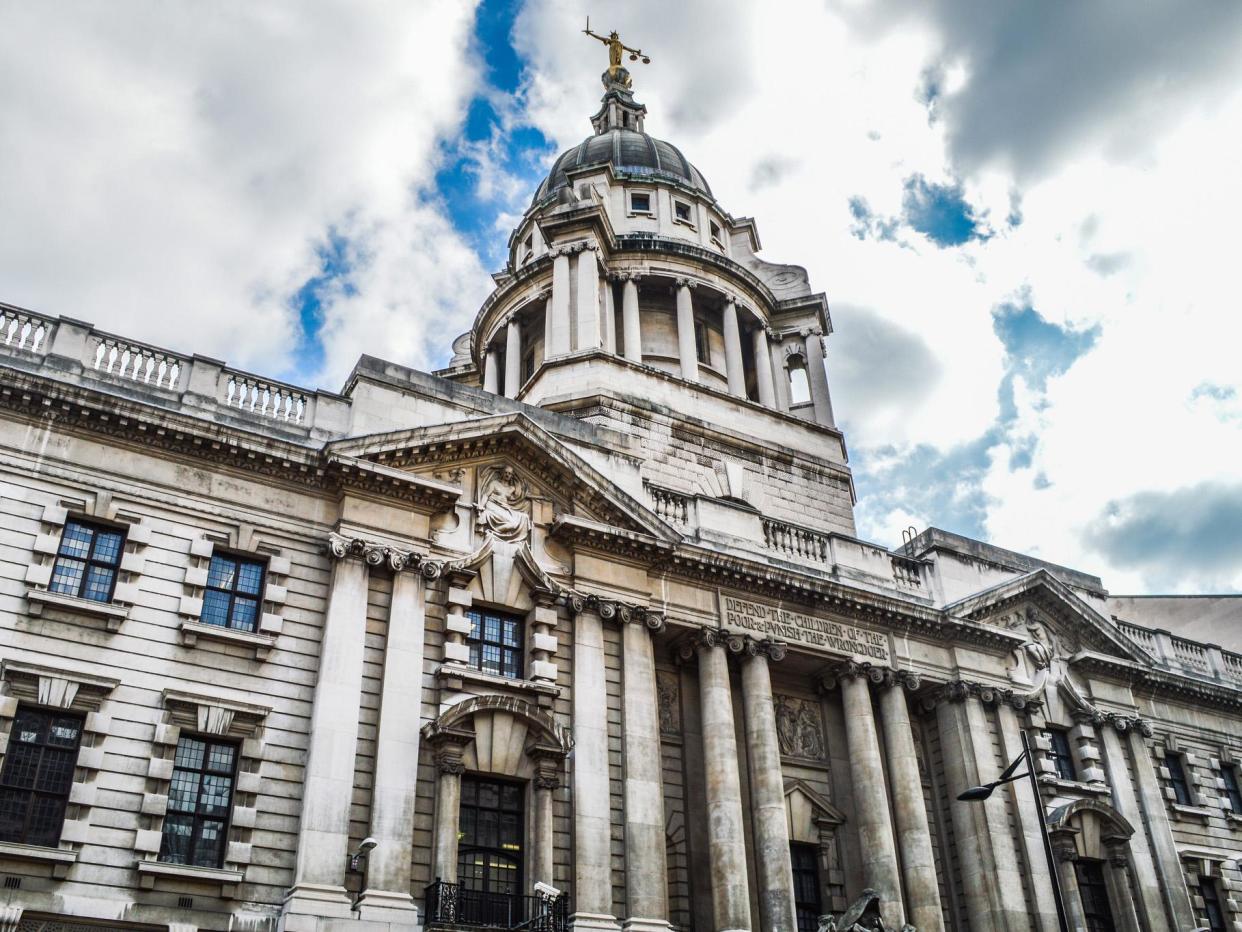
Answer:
[(1185, 656), (790, 540), (23, 330), (907, 573), (77, 352), (670, 506)]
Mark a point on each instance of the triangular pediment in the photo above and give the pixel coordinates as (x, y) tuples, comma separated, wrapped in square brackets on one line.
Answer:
[(1039, 600), (461, 453), (798, 791)]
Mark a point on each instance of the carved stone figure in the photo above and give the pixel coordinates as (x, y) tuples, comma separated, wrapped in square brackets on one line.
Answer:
[(667, 693), (503, 508), (864, 914), (799, 727), (827, 924)]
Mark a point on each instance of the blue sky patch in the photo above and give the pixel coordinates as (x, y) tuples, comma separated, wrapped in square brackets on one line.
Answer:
[(941, 212)]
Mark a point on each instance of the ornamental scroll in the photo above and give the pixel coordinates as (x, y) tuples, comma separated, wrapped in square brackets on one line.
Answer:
[(769, 621)]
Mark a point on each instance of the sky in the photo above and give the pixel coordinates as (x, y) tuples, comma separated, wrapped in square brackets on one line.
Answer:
[(1024, 217)]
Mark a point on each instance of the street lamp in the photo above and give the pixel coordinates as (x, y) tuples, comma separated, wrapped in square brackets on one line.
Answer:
[(979, 793)]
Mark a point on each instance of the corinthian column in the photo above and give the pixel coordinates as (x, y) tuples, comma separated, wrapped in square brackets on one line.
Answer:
[(323, 830), (646, 873), (909, 810), (767, 790), (733, 349), (396, 751), (763, 368), (875, 823), (687, 348), (592, 810), (631, 326), (726, 843)]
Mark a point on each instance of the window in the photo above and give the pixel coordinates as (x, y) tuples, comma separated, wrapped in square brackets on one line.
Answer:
[(234, 591), (702, 349), (1177, 778), (1229, 773), (38, 771), (716, 237), (681, 212), (799, 386), (640, 202), (1094, 895), (199, 802), (807, 904), (528, 248), (87, 561), (1061, 755), (489, 852), (1213, 912), (528, 364), (495, 643)]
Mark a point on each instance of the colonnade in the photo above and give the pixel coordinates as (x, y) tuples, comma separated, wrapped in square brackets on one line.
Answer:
[(578, 315)]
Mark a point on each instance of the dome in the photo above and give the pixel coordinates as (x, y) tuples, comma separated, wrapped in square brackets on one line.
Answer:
[(629, 153)]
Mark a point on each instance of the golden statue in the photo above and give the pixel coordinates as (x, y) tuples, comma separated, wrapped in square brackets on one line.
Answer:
[(617, 73)]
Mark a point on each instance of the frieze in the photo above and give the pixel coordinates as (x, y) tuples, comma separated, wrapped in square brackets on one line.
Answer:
[(769, 620), (799, 727)]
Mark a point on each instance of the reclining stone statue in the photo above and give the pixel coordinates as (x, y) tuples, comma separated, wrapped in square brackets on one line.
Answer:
[(862, 916)]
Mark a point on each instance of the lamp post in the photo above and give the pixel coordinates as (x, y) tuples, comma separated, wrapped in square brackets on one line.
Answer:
[(980, 793)]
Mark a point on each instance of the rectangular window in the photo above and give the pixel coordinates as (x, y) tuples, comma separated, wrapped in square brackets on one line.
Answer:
[(1177, 778), (1229, 772), (489, 853), (495, 643), (681, 210), (640, 202), (199, 802), (37, 775), (87, 561), (716, 238), (807, 903), (234, 593), (1061, 755), (1093, 893), (702, 349), (1213, 911), (528, 248)]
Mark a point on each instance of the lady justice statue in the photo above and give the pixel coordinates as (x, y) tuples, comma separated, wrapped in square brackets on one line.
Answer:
[(616, 73)]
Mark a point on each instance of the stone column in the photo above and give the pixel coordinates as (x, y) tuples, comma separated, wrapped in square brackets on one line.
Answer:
[(1065, 853), (588, 312), (630, 320), (1156, 817), (491, 372), (513, 357), (547, 324), (548, 765), (1030, 814), (874, 821), (780, 377), (328, 782), (610, 315), (733, 349), (686, 346), (558, 342), (726, 843), (767, 791), (763, 368), (1147, 884), (909, 809), (396, 751), (646, 873), (592, 815), (449, 745), (817, 375), (1120, 892)]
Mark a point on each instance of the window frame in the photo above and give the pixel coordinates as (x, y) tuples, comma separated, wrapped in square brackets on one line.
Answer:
[(1089, 873), (233, 592), (1233, 788), (1208, 883), (196, 816), (799, 850), (1179, 780), (497, 850), (90, 561), (1062, 758), (687, 220), (716, 232), (514, 652), (702, 342), (648, 211), (34, 791)]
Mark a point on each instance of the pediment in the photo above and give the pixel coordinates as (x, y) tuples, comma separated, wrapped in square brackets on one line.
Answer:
[(557, 480), (1045, 609), (799, 795)]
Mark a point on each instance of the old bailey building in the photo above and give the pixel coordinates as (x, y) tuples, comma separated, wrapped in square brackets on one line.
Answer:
[(575, 633)]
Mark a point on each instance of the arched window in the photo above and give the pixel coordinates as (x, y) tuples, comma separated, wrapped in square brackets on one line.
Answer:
[(799, 384)]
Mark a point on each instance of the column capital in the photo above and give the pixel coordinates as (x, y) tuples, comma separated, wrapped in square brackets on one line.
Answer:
[(549, 763), (686, 283), (961, 690), (708, 638), (904, 679), (448, 747), (614, 610), (375, 553), (1124, 723), (851, 669)]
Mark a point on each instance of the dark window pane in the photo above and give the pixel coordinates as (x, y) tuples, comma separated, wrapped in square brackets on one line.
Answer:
[(1177, 778), (67, 576), (64, 732), (190, 753), (245, 612), (1061, 755), (21, 765), (1232, 789), (56, 774), (200, 801), (250, 576), (221, 758), (183, 793), (87, 561), (37, 776), (215, 608), (495, 643)]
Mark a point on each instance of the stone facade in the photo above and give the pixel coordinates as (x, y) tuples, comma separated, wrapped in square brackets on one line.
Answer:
[(584, 611)]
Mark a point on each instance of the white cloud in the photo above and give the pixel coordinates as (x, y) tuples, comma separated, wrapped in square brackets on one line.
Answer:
[(171, 169)]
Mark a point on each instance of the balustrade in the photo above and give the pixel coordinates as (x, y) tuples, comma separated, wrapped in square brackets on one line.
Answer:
[(1141, 636), (907, 573), (794, 541), (1192, 655), (19, 330), (265, 398), (134, 362), (670, 506)]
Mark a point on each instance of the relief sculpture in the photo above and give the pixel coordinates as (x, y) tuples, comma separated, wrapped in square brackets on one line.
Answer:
[(503, 507), (670, 713), (799, 727)]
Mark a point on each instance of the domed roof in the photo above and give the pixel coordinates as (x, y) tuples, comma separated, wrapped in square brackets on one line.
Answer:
[(628, 152)]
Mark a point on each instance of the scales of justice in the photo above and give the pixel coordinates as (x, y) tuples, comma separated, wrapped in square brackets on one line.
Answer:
[(617, 73)]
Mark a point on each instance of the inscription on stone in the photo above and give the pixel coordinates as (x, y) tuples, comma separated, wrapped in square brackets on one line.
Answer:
[(767, 620)]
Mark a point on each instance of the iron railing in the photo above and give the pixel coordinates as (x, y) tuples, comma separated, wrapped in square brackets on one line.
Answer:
[(454, 904)]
